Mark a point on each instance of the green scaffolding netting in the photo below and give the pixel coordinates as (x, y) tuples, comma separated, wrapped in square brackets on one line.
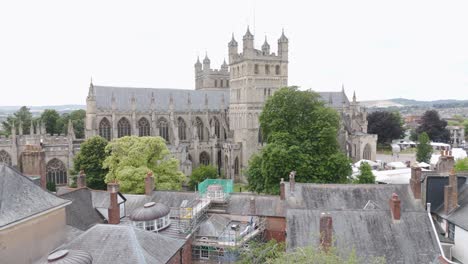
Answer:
[(228, 185)]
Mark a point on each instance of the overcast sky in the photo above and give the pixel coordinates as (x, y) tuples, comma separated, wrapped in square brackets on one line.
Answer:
[(381, 49)]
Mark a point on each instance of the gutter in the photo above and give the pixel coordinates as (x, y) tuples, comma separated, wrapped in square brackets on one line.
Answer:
[(442, 255)]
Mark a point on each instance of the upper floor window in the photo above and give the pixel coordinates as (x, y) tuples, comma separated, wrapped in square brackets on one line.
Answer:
[(123, 128), (221, 83), (200, 128), (267, 69), (182, 129), (56, 172), (277, 70), (256, 68), (143, 127), (105, 129), (227, 83), (163, 129)]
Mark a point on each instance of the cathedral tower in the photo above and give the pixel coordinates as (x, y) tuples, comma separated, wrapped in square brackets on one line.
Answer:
[(255, 75)]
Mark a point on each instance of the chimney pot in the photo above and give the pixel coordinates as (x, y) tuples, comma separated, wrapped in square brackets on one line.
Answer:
[(149, 183), (326, 231), (395, 206), (113, 212), (292, 181), (113, 187), (282, 190), (415, 182)]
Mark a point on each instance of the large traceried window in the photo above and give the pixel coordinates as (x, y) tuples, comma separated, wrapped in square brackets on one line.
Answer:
[(163, 129), (204, 158), (56, 172), (182, 128), (236, 167), (105, 129), (199, 128), (143, 127), (123, 128), (5, 158), (217, 128)]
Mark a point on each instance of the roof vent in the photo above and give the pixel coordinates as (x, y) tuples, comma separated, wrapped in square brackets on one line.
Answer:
[(57, 255), (150, 204)]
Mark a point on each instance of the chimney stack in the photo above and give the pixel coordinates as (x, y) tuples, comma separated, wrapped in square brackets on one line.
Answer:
[(282, 190), (149, 183), (292, 181), (253, 208), (446, 162), (395, 206), (81, 180), (113, 211), (326, 231), (451, 193), (415, 182)]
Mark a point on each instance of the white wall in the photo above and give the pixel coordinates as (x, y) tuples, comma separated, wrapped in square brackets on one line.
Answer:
[(460, 249)]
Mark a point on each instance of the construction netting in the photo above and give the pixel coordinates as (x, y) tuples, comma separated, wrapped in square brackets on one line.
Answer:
[(226, 185)]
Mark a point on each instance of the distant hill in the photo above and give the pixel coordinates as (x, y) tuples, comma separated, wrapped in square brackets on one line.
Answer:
[(402, 102), (7, 110)]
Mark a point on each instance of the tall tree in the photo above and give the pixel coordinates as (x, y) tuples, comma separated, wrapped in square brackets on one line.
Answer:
[(202, 173), (52, 121), (90, 159), (365, 175), (300, 133), (424, 149), (131, 158), (23, 116), (387, 125), (78, 118), (434, 127)]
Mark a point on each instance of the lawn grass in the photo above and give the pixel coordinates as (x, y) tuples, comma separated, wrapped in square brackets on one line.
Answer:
[(238, 187)]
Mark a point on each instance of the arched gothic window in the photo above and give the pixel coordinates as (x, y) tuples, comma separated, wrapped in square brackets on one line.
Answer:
[(220, 162), (182, 128), (199, 128), (56, 172), (143, 127), (5, 158), (123, 128), (217, 128), (236, 167), (163, 129), (204, 158), (105, 129)]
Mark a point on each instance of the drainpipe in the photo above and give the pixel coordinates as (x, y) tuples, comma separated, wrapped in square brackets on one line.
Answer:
[(442, 255)]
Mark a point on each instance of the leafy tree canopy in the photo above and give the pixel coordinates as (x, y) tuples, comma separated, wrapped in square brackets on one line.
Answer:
[(387, 125), (434, 127), (424, 149), (131, 158), (202, 173), (90, 159), (78, 118), (301, 135), (23, 116), (52, 121), (461, 165), (366, 175)]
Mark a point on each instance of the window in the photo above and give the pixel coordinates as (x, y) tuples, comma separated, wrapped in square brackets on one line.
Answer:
[(56, 172), (163, 129), (277, 70), (216, 83), (160, 223), (182, 129), (143, 127), (199, 124), (149, 225), (221, 83), (236, 166), (105, 129), (204, 158), (227, 83), (140, 225), (269, 92), (204, 254), (267, 69), (238, 94), (5, 158), (256, 69), (123, 128), (451, 231), (216, 127)]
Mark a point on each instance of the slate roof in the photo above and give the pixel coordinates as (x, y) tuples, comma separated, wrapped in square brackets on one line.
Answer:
[(336, 97), (21, 198), (172, 199), (123, 97), (265, 205), (113, 244), (213, 226), (459, 216), (362, 220), (81, 213)]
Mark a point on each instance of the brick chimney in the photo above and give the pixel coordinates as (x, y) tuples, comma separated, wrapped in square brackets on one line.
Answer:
[(282, 190), (149, 183), (451, 193), (395, 206), (114, 209), (292, 181), (326, 231), (81, 180), (446, 162), (415, 182), (253, 209)]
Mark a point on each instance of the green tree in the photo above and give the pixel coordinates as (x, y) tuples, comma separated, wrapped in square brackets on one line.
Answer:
[(260, 253), (424, 149), (387, 125), (434, 127), (461, 165), (202, 173), (365, 175), (90, 159), (300, 133), (52, 121), (131, 158), (23, 116), (78, 119)]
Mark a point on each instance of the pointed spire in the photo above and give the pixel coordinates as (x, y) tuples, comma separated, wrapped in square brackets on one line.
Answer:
[(31, 128), (206, 60), (342, 88), (171, 100), (233, 42), (266, 46), (283, 38), (91, 89), (198, 63), (70, 130), (224, 66), (354, 97), (248, 35)]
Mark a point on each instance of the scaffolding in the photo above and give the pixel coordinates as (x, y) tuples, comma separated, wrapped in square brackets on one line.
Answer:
[(217, 190), (189, 214), (227, 246)]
